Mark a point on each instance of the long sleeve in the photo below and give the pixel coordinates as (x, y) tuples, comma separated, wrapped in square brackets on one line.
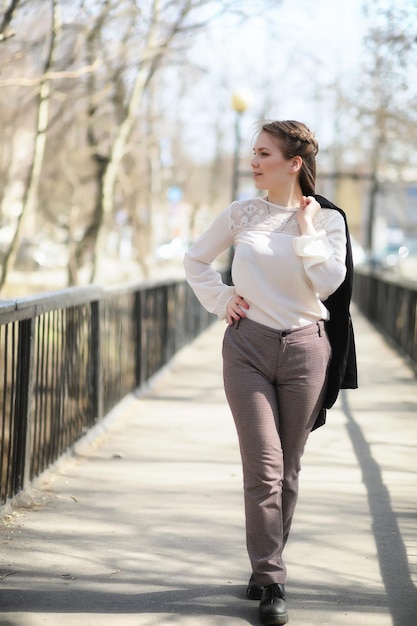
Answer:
[(324, 255), (205, 281)]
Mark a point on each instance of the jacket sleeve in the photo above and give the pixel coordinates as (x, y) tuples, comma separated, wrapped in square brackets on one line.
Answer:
[(205, 281), (324, 254)]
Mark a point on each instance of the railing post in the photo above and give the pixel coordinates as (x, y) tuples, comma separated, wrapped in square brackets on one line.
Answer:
[(22, 408), (165, 351), (96, 377), (138, 318)]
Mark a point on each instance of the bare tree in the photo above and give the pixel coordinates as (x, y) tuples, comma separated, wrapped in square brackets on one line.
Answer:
[(32, 186), (391, 43), (166, 22), (47, 115), (92, 108)]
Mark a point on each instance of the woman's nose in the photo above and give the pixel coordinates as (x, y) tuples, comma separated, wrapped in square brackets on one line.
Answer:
[(254, 161)]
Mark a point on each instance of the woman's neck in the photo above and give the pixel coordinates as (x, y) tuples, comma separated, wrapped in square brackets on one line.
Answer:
[(289, 198)]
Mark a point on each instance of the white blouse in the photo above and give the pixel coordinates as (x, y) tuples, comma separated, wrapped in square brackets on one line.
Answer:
[(283, 276)]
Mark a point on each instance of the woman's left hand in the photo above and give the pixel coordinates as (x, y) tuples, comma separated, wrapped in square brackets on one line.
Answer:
[(309, 208)]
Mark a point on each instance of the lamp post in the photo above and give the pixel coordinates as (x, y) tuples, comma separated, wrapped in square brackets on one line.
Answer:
[(240, 102)]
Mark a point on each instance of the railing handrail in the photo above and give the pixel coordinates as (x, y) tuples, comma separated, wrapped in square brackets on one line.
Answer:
[(43, 302), (25, 308)]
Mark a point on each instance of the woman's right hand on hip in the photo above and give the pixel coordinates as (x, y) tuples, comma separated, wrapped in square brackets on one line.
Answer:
[(235, 309)]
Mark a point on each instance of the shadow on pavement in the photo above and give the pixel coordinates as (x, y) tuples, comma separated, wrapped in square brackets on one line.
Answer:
[(393, 562), (202, 601)]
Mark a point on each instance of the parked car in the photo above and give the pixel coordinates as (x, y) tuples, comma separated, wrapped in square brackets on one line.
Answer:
[(400, 259), (407, 263)]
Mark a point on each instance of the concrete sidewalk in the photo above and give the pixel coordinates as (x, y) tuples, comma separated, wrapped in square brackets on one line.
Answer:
[(145, 526)]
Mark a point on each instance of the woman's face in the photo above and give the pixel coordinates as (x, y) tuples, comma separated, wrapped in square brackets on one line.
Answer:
[(271, 170)]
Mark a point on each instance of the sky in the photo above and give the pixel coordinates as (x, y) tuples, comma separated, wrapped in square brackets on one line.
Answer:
[(278, 60)]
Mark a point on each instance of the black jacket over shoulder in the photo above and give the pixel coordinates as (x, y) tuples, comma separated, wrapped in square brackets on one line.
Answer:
[(342, 369)]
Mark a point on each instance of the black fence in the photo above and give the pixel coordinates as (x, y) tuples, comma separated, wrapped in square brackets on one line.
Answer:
[(68, 357), (390, 303)]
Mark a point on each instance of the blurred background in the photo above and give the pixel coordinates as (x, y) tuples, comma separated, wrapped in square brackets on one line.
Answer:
[(126, 126)]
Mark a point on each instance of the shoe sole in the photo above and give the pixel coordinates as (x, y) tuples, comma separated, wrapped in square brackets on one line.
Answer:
[(275, 620)]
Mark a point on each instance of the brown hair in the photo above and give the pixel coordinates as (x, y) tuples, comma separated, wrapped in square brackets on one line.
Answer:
[(296, 139)]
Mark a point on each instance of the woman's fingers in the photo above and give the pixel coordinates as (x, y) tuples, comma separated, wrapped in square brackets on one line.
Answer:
[(235, 309)]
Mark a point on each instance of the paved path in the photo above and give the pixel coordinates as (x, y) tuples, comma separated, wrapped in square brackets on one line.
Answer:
[(144, 525)]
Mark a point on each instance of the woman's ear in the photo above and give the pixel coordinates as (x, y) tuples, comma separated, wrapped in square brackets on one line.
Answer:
[(296, 164)]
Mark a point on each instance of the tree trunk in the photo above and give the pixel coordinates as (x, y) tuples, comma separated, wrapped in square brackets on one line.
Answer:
[(30, 196), (154, 52), (110, 172)]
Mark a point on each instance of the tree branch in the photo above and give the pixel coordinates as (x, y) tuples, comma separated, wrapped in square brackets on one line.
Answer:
[(7, 18), (30, 82)]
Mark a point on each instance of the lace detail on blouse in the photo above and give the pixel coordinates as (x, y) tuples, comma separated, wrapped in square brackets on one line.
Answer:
[(259, 215)]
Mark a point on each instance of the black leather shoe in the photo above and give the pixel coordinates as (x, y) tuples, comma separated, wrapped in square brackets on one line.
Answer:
[(253, 590), (272, 608)]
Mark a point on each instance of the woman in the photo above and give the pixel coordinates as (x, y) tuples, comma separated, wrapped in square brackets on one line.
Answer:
[(290, 255)]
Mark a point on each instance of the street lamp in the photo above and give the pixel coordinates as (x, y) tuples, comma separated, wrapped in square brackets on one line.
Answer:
[(240, 102)]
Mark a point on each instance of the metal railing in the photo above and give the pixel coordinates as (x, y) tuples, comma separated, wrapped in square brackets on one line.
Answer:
[(68, 357), (390, 303)]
